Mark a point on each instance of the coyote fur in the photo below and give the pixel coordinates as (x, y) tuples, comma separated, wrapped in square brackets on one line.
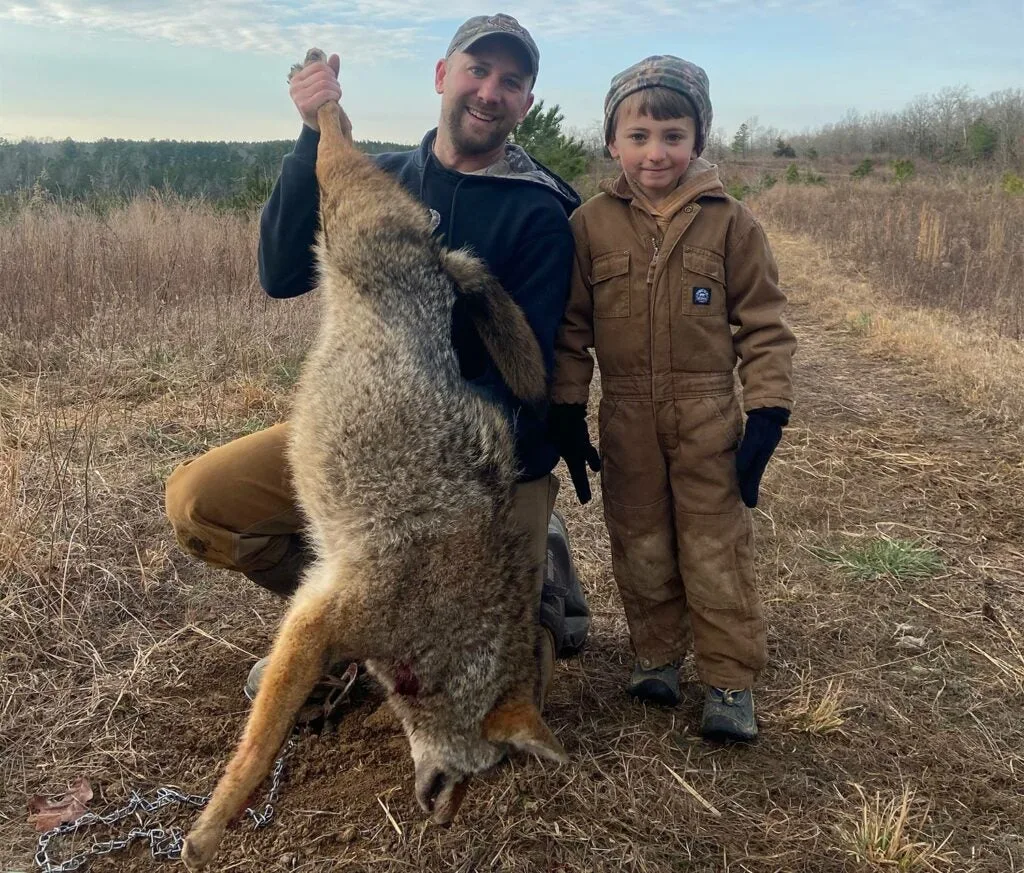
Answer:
[(405, 475)]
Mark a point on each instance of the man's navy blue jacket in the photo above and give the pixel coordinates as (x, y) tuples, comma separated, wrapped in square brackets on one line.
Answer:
[(517, 224)]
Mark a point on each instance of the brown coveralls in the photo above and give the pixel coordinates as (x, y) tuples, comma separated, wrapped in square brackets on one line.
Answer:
[(670, 302)]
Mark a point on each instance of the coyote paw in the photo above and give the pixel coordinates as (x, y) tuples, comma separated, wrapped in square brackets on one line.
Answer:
[(312, 56), (200, 847)]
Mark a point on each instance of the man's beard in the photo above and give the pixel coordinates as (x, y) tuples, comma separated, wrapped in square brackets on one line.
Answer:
[(473, 143)]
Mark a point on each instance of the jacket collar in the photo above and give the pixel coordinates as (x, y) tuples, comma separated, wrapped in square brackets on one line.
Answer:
[(523, 167), (700, 180)]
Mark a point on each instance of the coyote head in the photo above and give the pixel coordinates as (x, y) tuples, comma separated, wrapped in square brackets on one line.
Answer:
[(446, 754)]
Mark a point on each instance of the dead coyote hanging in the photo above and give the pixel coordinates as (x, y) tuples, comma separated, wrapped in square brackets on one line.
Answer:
[(405, 476)]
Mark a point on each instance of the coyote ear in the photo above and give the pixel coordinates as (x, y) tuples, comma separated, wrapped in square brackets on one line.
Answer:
[(519, 724)]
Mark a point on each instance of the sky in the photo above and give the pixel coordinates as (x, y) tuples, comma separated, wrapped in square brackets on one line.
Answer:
[(201, 70)]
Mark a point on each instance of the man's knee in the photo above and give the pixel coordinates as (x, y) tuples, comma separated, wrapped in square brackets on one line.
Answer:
[(182, 494), (227, 510)]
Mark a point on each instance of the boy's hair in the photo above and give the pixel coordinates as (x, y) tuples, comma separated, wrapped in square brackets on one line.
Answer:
[(659, 103)]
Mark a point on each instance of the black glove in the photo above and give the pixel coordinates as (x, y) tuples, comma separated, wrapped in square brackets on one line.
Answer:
[(567, 429), (760, 437)]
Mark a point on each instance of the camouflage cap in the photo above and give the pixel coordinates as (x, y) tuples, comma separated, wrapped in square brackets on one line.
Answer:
[(479, 26), (664, 71)]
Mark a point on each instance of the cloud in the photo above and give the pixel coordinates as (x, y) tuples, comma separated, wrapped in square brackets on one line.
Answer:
[(364, 28), (231, 25), (376, 29)]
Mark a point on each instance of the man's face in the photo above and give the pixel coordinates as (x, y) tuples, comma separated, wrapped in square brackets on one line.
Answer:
[(485, 93)]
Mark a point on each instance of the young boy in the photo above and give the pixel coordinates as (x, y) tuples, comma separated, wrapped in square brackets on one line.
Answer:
[(674, 284)]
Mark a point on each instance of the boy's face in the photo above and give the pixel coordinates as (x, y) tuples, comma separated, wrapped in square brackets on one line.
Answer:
[(654, 154), (485, 93)]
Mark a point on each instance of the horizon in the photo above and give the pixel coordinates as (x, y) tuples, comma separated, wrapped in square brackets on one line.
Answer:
[(218, 73), (726, 134)]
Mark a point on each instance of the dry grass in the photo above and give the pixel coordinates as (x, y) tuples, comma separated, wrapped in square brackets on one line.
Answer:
[(950, 246), (817, 711), (964, 356), (883, 837), (123, 660)]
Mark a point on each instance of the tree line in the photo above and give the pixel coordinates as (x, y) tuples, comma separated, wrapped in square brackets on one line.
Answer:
[(233, 173), (951, 126), (238, 174)]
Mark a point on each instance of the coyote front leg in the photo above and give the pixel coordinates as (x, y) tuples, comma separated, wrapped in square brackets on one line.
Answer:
[(305, 643)]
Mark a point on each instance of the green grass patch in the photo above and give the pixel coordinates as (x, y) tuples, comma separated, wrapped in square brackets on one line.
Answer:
[(860, 323), (881, 558), (286, 372)]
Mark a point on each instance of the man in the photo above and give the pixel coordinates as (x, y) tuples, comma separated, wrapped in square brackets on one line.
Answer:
[(234, 506)]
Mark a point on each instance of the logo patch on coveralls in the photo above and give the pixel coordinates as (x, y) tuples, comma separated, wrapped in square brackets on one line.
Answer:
[(701, 296)]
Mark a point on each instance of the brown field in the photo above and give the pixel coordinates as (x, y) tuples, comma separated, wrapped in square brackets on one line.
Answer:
[(890, 551), (951, 246)]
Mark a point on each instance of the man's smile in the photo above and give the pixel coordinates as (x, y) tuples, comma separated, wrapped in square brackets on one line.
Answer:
[(481, 116)]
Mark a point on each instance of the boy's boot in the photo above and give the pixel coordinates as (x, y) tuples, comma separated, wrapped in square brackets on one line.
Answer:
[(659, 685), (563, 606), (729, 715)]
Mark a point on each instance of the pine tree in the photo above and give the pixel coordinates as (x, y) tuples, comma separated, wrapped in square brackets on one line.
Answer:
[(783, 149), (540, 133), (982, 140), (741, 142)]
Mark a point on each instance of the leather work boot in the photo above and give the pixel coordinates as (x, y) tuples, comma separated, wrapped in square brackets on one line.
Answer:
[(729, 715), (563, 606), (331, 690), (659, 685), (283, 578)]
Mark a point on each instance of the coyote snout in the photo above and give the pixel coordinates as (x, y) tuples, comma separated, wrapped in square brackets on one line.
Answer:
[(440, 790), (406, 477)]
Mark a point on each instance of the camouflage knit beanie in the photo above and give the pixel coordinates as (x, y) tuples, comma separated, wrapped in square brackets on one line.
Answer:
[(665, 71)]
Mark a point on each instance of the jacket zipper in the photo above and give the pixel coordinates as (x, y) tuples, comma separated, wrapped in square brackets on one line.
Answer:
[(654, 262), (651, 294)]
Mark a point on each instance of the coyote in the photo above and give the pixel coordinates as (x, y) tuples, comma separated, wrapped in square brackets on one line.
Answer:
[(406, 476)]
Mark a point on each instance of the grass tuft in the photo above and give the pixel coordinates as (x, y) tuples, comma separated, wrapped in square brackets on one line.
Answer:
[(818, 714), (883, 837), (885, 557)]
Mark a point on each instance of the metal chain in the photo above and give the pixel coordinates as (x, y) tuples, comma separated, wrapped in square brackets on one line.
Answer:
[(162, 843)]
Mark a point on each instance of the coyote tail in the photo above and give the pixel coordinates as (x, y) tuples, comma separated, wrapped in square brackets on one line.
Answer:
[(503, 329)]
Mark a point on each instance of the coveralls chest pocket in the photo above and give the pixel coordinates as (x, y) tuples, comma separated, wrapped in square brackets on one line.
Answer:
[(609, 277), (703, 283)]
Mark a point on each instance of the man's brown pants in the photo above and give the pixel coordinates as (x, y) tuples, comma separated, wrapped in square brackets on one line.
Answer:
[(234, 507)]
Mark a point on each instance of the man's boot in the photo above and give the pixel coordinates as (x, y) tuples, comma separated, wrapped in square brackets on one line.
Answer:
[(563, 606), (283, 578)]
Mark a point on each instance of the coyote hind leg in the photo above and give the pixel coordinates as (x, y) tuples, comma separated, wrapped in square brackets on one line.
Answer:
[(335, 127), (306, 642), (330, 116)]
